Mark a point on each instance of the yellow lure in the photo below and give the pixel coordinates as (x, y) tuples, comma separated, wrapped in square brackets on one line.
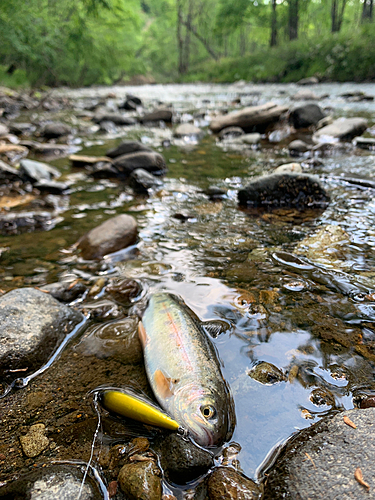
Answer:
[(129, 406)]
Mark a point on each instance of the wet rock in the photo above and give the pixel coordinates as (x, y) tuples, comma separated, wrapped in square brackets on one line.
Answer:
[(266, 373), (103, 310), (158, 115), (116, 118), (46, 149), (103, 170), (35, 441), (33, 325), (36, 171), (4, 130), (22, 128), (280, 190), (225, 483), (20, 222), (288, 167), (131, 103), (305, 116), (364, 142), (141, 181), (311, 80), (322, 397), (127, 147), (141, 481), (52, 187), (320, 462), (112, 235), (187, 129), (249, 119), (151, 162), (80, 161), (9, 174), (230, 133), (305, 95), (298, 147), (55, 130), (64, 291), (181, 460), (342, 129)]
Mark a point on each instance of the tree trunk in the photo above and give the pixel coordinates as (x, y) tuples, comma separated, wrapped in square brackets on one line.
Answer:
[(367, 11), (242, 42), (337, 15), (273, 39), (293, 19), (180, 41), (199, 37)]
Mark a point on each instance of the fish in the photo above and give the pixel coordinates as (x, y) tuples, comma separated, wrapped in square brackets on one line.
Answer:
[(129, 405), (184, 371)]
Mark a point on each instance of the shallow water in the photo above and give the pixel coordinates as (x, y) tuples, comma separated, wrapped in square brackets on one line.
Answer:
[(219, 259)]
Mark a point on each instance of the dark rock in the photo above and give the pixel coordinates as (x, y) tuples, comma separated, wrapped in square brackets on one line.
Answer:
[(55, 130), (3, 130), (52, 187), (141, 181), (9, 106), (141, 481), (158, 115), (284, 190), (364, 142), (225, 483), (181, 460), (311, 80), (108, 127), (151, 162), (298, 147), (320, 462), (20, 222), (266, 373), (56, 482), (131, 103), (46, 149), (35, 171), (64, 291), (116, 118), (8, 173), (22, 128), (357, 96), (127, 147), (102, 310), (33, 325), (230, 133), (103, 170), (305, 116), (114, 234), (215, 193), (124, 290), (343, 129)]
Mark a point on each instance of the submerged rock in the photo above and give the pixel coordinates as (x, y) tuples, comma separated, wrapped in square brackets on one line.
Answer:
[(141, 481), (151, 162), (284, 190), (33, 325), (266, 373), (35, 441), (20, 222), (250, 118), (127, 147), (225, 483), (342, 129), (321, 461), (65, 291), (305, 116), (112, 235)]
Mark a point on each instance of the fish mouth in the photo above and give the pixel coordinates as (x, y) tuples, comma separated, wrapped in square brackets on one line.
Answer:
[(203, 438)]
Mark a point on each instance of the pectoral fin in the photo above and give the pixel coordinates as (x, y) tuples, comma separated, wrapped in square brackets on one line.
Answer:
[(164, 384), (142, 334)]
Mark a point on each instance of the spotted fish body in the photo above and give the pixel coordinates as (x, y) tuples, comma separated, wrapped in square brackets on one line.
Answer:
[(184, 371)]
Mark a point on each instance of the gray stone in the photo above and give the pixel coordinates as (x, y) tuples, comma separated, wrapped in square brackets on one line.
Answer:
[(55, 130), (284, 190), (52, 187), (112, 235), (65, 291), (3, 130), (8, 173), (181, 460), (158, 115), (305, 95), (298, 147), (342, 129), (250, 139), (19, 222), (305, 116), (152, 162), (187, 129), (127, 147), (103, 170), (141, 181), (320, 462), (311, 80), (250, 118), (36, 171), (22, 128), (33, 325), (230, 133), (46, 149), (116, 118), (364, 142)]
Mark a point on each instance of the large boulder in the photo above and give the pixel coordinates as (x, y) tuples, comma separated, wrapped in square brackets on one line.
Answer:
[(305, 116), (113, 235), (284, 190), (342, 129), (250, 118), (33, 324), (323, 460), (127, 147), (152, 162)]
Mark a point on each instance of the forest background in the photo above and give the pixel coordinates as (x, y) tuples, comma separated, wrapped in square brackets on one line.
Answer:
[(86, 42)]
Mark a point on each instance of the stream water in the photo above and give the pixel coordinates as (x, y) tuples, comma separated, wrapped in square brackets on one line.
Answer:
[(225, 262)]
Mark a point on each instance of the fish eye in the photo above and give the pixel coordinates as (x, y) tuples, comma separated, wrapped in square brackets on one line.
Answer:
[(208, 411)]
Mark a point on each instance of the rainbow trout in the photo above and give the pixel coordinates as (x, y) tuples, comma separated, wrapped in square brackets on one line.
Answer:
[(184, 371)]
